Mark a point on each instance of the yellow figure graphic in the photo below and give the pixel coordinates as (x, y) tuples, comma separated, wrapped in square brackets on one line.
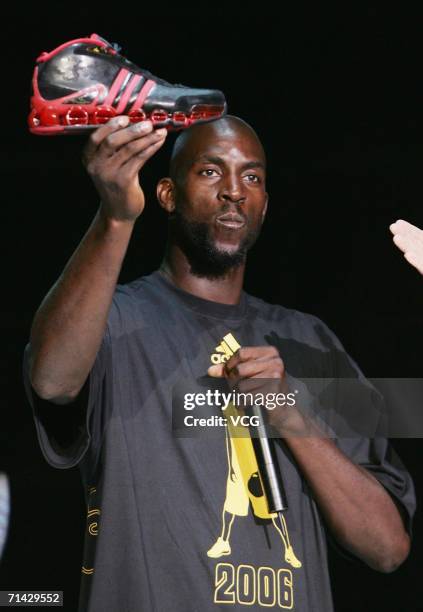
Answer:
[(244, 485)]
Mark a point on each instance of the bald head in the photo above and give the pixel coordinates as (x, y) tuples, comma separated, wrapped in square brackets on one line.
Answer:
[(189, 142)]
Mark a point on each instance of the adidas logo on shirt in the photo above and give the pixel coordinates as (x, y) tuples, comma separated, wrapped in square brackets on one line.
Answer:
[(225, 349)]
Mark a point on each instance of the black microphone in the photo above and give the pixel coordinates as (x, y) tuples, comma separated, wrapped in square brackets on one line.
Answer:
[(264, 448)]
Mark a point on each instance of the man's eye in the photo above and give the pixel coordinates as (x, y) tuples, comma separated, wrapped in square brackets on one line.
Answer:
[(253, 178), (208, 172)]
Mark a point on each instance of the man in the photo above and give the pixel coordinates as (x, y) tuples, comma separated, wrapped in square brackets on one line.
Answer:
[(104, 363)]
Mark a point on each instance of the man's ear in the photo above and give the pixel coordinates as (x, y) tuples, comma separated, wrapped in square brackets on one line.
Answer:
[(266, 202), (166, 194)]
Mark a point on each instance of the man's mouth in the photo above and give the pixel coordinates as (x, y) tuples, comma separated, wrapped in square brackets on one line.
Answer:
[(231, 221)]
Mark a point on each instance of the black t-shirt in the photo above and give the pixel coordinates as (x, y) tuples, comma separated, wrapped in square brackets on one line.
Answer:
[(174, 523)]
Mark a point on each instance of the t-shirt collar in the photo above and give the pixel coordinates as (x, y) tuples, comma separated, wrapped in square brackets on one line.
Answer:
[(201, 305)]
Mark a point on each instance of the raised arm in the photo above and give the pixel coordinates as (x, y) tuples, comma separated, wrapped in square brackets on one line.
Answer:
[(69, 325)]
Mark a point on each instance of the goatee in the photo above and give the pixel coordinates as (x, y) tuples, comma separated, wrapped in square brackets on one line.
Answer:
[(205, 259)]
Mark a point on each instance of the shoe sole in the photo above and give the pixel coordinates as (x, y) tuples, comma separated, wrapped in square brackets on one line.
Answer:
[(77, 120)]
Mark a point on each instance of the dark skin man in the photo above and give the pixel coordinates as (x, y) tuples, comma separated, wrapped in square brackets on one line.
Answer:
[(216, 199)]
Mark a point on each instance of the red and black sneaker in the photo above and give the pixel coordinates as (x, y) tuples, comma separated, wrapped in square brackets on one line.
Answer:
[(86, 82)]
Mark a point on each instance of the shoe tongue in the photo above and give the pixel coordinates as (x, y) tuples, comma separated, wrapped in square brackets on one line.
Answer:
[(98, 38), (113, 46)]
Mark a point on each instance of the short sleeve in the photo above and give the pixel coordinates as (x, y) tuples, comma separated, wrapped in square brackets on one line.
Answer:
[(65, 431), (358, 409)]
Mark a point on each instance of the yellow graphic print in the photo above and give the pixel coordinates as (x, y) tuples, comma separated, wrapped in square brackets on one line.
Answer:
[(248, 585), (92, 525), (244, 485)]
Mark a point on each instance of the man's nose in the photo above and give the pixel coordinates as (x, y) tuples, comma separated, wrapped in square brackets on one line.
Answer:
[(232, 190)]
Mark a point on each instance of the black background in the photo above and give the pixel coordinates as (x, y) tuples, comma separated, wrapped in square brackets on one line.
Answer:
[(336, 97)]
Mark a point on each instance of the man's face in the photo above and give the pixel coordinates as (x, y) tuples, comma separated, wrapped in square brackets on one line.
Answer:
[(220, 201)]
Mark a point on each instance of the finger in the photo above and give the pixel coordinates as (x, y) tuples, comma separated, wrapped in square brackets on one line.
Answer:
[(414, 259), (98, 136), (136, 147), (257, 368), (258, 353), (216, 371), (405, 228), (134, 164), (408, 243), (400, 242), (115, 141), (247, 353), (220, 370), (259, 385)]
